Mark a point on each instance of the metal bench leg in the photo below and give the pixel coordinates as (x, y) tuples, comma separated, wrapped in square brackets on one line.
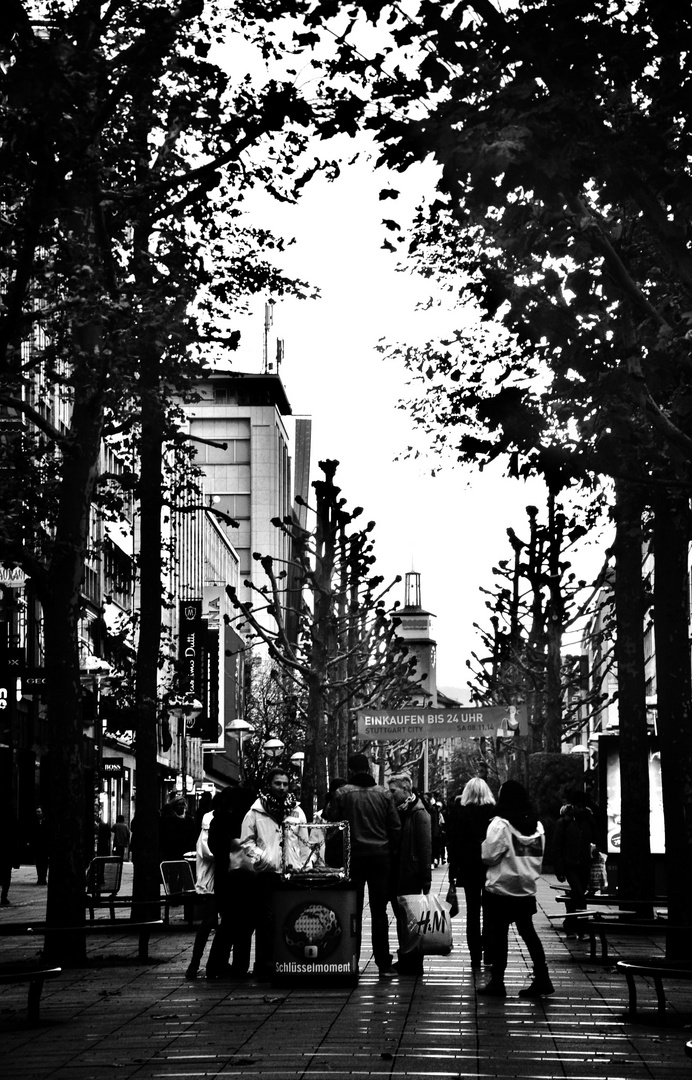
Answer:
[(632, 990), (660, 993), (144, 945), (35, 989)]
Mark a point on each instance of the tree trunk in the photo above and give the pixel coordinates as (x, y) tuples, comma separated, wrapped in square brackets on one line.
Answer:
[(635, 865), (146, 883), (555, 613), (671, 545), (61, 602)]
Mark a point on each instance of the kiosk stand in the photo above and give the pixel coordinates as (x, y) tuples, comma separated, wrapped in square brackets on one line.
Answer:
[(315, 907)]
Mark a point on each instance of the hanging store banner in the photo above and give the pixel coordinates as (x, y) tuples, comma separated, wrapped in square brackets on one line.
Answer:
[(458, 723), (191, 648)]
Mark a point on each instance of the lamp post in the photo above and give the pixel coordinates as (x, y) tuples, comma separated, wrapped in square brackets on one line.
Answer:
[(239, 727), (95, 671), (188, 708)]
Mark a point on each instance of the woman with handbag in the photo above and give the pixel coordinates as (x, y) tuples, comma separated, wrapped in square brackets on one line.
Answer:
[(467, 824)]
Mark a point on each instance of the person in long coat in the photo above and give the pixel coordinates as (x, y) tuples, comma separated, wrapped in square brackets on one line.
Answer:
[(412, 863), (467, 824)]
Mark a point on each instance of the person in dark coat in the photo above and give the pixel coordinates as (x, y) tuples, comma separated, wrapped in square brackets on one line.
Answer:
[(375, 831), (9, 859), (467, 824), (177, 830), (235, 890), (412, 863), (574, 839)]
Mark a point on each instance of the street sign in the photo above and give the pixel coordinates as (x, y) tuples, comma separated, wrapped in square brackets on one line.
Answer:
[(456, 723)]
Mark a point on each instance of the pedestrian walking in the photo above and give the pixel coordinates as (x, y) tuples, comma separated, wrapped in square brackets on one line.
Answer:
[(513, 852), (261, 836), (467, 824), (235, 897), (121, 836), (375, 832), (411, 866), (575, 839), (40, 845)]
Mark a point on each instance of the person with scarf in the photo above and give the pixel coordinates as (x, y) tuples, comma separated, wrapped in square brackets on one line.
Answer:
[(375, 831), (412, 865), (261, 836), (513, 852)]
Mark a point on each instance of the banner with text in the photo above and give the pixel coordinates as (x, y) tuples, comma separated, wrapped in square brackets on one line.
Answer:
[(457, 723)]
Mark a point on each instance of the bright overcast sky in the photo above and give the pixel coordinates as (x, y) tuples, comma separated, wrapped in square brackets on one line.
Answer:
[(449, 527)]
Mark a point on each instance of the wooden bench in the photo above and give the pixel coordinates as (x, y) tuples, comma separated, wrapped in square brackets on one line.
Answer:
[(601, 928), (35, 975), (114, 927), (657, 971)]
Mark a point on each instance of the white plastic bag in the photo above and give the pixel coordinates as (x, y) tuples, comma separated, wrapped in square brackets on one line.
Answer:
[(427, 923)]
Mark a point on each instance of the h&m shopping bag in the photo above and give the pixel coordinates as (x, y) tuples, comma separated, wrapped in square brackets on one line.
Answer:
[(427, 925)]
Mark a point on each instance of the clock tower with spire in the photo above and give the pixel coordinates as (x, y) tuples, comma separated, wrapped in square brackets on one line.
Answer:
[(415, 630)]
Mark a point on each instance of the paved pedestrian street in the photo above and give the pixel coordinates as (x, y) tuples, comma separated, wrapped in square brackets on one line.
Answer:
[(119, 1018)]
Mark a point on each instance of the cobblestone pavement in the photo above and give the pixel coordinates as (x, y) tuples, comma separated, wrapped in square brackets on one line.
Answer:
[(118, 1018)]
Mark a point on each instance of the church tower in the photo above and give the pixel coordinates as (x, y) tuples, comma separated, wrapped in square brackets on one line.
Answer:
[(415, 630)]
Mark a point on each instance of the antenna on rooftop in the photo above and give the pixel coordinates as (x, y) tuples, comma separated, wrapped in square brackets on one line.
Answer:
[(268, 323)]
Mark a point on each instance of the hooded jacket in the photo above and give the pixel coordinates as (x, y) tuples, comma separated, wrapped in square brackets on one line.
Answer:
[(514, 859), (375, 828)]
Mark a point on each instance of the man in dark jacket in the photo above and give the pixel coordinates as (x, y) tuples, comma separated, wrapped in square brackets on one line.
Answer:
[(412, 866), (574, 839), (375, 831)]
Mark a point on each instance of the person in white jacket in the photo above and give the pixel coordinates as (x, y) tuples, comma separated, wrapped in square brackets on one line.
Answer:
[(513, 853), (261, 836), (204, 887)]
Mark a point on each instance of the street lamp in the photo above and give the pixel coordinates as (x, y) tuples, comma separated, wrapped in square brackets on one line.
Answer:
[(273, 747), (239, 727), (298, 759), (94, 671)]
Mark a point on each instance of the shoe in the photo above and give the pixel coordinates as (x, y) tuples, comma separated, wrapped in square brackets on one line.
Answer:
[(493, 989), (388, 973), (538, 988), (5, 902), (412, 971), (191, 972), (221, 973)]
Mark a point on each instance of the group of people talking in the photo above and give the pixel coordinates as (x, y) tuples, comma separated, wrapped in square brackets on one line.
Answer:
[(495, 855)]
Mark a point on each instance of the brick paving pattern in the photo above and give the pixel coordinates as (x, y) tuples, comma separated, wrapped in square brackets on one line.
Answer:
[(118, 1018)]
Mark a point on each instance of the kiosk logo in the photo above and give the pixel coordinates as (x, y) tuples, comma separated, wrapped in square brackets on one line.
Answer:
[(312, 931)]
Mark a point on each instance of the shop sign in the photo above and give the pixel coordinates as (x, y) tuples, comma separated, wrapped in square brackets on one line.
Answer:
[(456, 723), (113, 767)]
